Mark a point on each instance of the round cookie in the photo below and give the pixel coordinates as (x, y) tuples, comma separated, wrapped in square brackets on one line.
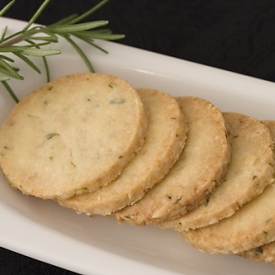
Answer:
[(207, 150), (248, 174), (252, 226), (72, 135), (165, 139), (264, 253)]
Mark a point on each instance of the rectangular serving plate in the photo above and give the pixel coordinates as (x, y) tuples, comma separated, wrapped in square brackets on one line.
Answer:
[(45, 231)]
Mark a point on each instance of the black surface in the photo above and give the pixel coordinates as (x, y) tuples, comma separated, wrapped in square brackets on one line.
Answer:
[(233, 35)]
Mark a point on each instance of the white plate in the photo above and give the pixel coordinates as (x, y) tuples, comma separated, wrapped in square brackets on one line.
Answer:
[(48, 232)]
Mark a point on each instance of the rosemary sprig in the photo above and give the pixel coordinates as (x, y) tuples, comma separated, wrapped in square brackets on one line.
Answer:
[(31, 41)]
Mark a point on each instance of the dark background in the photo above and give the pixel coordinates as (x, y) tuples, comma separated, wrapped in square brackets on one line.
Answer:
[(234, 35)]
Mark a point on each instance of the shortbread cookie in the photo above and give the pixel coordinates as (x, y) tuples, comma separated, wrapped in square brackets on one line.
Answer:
[(200, 168), (265, 253), (72, 135), (165, 139), (249, 172), (253, 225)]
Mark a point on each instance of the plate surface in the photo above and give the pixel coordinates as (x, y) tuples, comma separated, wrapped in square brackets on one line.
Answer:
[(45, 231)]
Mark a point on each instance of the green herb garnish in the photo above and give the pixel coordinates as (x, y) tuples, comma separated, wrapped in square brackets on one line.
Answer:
[(33, 39)]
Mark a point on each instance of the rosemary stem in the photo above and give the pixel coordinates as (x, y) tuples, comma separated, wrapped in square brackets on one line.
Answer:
[(13, 40), (19, 37)]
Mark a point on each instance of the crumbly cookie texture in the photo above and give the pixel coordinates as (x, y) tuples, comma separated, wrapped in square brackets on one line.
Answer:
[(165, 139), (72, 135), (249, 172), (253, 225), (263, 253), (200, 167)]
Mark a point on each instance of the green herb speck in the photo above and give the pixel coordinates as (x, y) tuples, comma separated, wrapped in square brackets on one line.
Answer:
[(117, 101), (177, 201), (258, 250), (112, 85), (51, 135)]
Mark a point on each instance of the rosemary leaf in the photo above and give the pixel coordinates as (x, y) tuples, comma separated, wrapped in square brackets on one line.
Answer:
[(89, 12), (6, 8), (110, 36), (4, 33), (45, 62), (39, 52), (4, 77), (10, 91), (28, 61), (81, 53), (46, 66), (103, 34), (37, 13), (7, 69), (54, 37), (66, 20), (9, 49), (9, 74), (78, 27), (51, 39), (6, 58), (90, 41)]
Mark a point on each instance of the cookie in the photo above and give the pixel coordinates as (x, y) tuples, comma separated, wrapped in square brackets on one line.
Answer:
[(200, 167), (252, 226), (72, 135), (265, 253), (165, 139), (248, 174)]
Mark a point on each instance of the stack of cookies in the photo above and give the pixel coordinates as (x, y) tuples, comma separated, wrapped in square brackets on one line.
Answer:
[(98, 146)]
